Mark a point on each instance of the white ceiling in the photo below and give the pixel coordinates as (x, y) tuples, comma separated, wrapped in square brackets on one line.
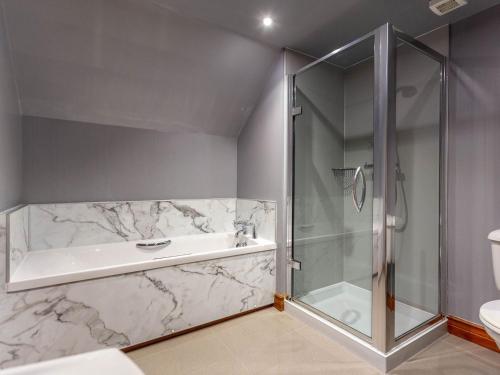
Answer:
[(179, 65)]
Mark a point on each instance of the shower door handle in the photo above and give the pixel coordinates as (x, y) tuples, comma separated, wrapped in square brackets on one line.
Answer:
[(358, 204)]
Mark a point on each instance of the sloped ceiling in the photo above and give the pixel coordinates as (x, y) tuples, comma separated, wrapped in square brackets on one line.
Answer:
[(180, 65), (132, 63), (319, 26)]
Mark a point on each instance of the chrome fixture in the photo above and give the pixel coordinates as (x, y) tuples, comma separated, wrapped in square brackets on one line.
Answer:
[(345, 177), (358, 204), (153, 245), (241, 232), (348, 178), (240, 239)]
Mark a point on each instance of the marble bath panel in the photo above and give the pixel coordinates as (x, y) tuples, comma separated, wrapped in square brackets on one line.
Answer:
[(260, 213), (3, 250), (78, 224), (124, 310), (18, 236)]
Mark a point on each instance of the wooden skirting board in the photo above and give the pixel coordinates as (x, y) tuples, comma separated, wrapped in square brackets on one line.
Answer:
[(472, 332), (279, 301)]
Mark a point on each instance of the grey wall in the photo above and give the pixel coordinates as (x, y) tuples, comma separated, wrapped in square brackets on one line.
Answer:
[(72, 161), (134, 63), (107, 68), (260, 151), (260, 143), (10, 127), (474, 168)]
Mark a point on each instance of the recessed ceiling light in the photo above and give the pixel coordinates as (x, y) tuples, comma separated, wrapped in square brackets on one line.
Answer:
[(267, 21)]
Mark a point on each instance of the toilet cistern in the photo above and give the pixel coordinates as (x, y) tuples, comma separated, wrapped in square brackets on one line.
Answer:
[(489, 313)]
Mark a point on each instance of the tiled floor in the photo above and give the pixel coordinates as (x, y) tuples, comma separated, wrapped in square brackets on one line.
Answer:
[(270, 342)]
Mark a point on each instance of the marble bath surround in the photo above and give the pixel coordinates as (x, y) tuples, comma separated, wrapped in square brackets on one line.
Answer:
[(127, 309), (77, 224), (70, 225)]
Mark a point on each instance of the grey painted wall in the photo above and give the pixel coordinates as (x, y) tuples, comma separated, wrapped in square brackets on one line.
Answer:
[(10, 128), (73, 161), (260, 152), (260, 143), (134, 63), (474, 168)]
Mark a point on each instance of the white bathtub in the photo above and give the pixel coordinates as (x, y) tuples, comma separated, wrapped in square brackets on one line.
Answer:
[(42, 268)]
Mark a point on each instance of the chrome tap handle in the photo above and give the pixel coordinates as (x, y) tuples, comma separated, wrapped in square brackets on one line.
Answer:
[(153, 245), (243, 225)]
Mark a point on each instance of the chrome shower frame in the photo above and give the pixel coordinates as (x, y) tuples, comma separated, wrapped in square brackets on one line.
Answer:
[(386, 40)]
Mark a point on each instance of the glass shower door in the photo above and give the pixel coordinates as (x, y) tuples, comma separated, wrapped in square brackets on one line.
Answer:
[(333, 186), (366, 188), (416, 238)]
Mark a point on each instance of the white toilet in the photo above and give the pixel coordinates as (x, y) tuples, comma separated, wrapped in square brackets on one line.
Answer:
[(489, 313)]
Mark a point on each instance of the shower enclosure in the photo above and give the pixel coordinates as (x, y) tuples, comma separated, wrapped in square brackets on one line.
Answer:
[(366, 187)]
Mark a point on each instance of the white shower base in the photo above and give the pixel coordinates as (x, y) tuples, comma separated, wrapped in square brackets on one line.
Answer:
[(382, 361), (351, 305)]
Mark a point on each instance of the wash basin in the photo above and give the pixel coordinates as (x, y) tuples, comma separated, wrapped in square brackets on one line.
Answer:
[(106, 361)]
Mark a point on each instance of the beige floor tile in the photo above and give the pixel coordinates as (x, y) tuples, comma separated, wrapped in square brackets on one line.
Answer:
[(160, 363), (171, 343), (457, 364), (291, 351), (446, 345), (229, 366), (185, 356), (488, 356), (320, 369), (328, 344), (452, 355), (270, 342), (268, 321)]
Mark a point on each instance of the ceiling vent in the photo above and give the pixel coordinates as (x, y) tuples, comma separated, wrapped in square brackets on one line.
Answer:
[(441, 7)]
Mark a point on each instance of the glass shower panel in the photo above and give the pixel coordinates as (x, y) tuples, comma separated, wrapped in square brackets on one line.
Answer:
[(332, 187), (416, 232)]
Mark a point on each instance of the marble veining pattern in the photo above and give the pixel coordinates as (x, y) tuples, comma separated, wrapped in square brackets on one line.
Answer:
[(128, 309), (78, 224), (18, 236), (261, 213), (3, 250)]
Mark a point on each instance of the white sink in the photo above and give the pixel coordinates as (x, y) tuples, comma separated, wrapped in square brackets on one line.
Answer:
[(106, 361)]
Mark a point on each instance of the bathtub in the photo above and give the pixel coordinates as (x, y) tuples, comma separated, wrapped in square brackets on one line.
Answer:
[(43, 268)]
